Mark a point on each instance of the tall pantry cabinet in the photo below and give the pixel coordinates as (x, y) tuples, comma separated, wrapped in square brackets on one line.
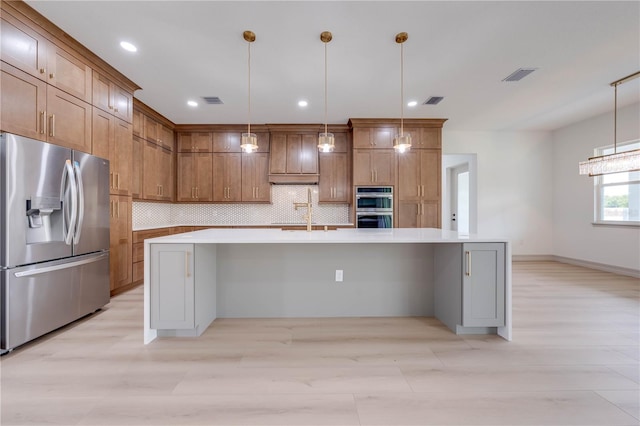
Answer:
[(57, 91), (414, 174)]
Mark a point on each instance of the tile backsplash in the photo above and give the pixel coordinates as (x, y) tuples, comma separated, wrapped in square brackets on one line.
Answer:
[(281, 211)]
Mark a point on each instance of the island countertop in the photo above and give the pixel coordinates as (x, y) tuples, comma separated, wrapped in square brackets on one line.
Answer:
[(336, 236)]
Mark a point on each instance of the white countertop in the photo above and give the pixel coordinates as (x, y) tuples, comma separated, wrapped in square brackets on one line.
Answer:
[(270, 236)]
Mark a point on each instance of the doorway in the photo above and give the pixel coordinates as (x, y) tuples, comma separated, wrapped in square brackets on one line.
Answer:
[(459, 201)]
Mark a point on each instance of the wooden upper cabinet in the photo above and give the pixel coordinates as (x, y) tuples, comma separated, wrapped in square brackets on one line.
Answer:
[(425, 137), (227, 177), (334, 185), (374, 167), (23, 103), (255, 178), (22, 47), (158, 133), (158, 180), (121, 157), (195, 142), (110, 97), (226, 142), (68, 120), (293, 158), (138, 123), (102, 135), (69, 73), (374, 137), (194, 177)]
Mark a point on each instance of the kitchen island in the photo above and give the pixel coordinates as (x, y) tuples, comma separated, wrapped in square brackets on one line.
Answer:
[(193, 278)]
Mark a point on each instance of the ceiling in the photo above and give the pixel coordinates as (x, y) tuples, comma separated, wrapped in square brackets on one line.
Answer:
[(456, 49)]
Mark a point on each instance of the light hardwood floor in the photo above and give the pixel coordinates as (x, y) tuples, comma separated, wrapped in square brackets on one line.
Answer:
[(574, 360)]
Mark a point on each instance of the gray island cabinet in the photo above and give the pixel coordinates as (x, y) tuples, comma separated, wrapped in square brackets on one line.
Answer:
[(193, 278)]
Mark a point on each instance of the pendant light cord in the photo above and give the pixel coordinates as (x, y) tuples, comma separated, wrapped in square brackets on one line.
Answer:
[(401, 89), (325, 88), (615, 118), (249, 85)]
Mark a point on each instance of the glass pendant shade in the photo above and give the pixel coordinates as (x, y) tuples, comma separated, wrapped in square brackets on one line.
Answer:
[(249, 142), (326, 142), (402, 143), (628, 161)]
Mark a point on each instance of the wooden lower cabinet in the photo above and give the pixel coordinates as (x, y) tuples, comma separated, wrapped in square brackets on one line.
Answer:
[(418, 214), (120, 248)]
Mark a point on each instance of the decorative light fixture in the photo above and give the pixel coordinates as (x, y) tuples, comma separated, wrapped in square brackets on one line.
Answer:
[(628, 161), (402, 142), (249, 140), (326, 141)]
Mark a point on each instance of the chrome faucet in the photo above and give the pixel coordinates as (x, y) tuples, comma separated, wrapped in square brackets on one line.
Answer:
[(307, 216)]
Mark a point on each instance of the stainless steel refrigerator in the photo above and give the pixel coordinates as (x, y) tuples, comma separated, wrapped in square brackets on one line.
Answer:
[(54, 224)]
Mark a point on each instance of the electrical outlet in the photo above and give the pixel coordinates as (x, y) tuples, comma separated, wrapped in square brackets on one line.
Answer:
[(338, 275)]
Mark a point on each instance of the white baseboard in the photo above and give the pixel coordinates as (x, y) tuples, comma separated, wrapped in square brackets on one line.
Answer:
[(584, 263), (532, 258), (599, 266)]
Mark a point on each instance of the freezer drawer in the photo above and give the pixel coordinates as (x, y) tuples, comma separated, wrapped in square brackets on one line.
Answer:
[(37, 299)]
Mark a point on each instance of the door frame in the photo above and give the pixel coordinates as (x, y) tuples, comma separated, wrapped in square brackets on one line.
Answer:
[(449, 163)]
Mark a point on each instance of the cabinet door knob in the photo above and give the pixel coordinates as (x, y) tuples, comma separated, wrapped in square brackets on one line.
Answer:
[(52, 75), (43, 70)]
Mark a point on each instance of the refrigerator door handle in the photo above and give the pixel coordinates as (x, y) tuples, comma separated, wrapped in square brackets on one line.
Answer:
[(68, 229), (80, 201), (46, 269)]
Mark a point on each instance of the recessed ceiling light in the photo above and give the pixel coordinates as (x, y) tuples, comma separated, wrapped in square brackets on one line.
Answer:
[(192, 103), (302, 103), (412, 103), (128, 46)]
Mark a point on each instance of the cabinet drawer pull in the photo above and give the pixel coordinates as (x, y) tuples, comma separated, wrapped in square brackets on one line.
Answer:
[(52, 75), (43, 70), (186, 264), (468, 259)]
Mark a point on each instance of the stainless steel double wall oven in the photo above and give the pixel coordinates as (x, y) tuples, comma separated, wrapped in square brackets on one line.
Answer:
[(374, 207)]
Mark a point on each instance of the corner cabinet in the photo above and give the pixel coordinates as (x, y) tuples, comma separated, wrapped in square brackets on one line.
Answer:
[(172, 286), (483, 285)]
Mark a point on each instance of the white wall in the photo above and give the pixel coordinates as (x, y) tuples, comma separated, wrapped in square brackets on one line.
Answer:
[(574, 235), (514, 178)]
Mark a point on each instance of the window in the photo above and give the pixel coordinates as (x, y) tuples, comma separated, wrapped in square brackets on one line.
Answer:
[(617, 195)]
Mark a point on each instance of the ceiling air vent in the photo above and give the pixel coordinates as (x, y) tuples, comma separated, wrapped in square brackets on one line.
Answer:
[(519, 74), (433, 100), (212, 100)]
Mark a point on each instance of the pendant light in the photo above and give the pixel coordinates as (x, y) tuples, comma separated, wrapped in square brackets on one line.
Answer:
[(249, 140), (326, 141), (402, 142), (628, 161)]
